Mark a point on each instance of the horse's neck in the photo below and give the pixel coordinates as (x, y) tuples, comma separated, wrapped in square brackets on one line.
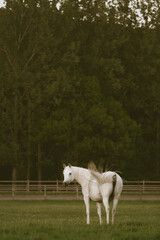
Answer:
[(80, 174)]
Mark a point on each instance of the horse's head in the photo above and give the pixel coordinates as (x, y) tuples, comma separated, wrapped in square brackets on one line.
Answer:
[(68, 174)]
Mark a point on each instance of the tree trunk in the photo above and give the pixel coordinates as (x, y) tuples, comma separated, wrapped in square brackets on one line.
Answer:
[(14, 173), (15, 146), (28, 142), (14, 177), (39, 164), (158, 145)]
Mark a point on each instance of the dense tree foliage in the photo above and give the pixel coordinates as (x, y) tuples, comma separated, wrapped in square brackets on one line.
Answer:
[(79, 82)]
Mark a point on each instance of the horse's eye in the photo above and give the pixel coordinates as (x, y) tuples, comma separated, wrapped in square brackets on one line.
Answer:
[(70, 174)]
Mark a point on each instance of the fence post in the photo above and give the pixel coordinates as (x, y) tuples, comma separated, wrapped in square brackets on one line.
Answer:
[(45, 192), (13, 190), (143, 186), (40, 188), (140, 193), (57, 186), (27, 185), (77, 192)]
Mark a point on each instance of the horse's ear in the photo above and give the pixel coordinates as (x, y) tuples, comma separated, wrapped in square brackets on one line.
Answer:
[(64, 165), (69, 165)]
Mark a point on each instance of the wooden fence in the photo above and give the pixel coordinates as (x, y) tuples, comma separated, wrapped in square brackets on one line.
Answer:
[(55, 188)]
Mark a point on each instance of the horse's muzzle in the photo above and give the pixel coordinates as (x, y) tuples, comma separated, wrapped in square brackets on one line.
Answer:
[(65, 184)]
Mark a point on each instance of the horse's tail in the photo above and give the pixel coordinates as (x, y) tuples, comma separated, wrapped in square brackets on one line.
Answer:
[(114, 185)]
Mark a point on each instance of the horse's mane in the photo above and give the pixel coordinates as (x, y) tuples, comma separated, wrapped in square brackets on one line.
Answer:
[(99, 175), (92, 167)]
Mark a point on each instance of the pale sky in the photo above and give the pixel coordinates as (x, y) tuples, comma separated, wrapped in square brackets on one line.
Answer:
[(131, 4), (1, 3)]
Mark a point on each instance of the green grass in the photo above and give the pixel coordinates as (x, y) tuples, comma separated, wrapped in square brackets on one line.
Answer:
[(66, 220)]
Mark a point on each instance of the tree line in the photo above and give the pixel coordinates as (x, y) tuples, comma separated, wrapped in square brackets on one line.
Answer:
[(79, 82)]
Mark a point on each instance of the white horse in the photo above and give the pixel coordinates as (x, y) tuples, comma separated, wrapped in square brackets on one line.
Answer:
[(97, 187)]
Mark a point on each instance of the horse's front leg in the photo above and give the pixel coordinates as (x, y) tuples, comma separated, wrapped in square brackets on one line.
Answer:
[(86, 200)]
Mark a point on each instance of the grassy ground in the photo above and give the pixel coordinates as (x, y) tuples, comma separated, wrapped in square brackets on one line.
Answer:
[(66, 220)]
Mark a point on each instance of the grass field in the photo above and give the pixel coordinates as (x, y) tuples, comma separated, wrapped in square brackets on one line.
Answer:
[(66, 220)]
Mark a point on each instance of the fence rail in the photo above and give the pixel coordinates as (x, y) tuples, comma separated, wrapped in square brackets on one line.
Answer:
[(48, 188)]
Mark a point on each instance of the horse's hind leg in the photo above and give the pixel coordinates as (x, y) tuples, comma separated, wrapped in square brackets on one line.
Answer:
[(115, 202), (99, 212), (106, 205)]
